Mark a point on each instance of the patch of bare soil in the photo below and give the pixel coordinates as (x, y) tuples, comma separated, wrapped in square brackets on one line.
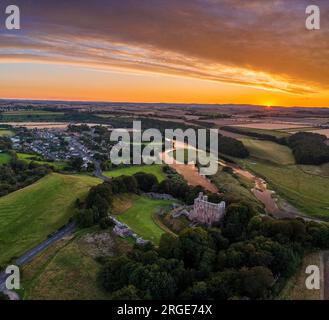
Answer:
[(99, 244), (193, 178)]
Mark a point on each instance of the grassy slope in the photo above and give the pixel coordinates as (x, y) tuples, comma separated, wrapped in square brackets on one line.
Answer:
[(64, 272), (28, 215), (154, 169), (140, 218), (267, 150), (67, 270), (4, 158), (236, 188), (28, 158)]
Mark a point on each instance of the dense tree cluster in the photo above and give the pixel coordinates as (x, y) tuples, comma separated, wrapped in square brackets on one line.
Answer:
[(309, 148), (75, 164), (97, 206), (232, 147), (5, 144), (19, 174), (217, 263)]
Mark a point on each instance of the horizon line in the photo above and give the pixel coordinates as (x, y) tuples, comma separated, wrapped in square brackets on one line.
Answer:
[(164, 103)]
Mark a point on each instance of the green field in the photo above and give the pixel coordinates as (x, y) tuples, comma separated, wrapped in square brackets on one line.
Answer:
[(68, 269), (305, 187), (307, 192), (29, 158), (31, 112), (30, 115), (275, 133), (236, 188), (4, 158), (271, 151), (29, 215), (129, 171), (140, 217), (6, 133)]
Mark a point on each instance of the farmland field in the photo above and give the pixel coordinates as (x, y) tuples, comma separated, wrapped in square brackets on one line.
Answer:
[(307, 192), (140, 218), (29, 215), (4, 158), (129, 171), (30, 116), (6, 133), (60, 165), (325, 132), (271, 126), (305, 187), (271, 132), (270, 151), (31, 112)]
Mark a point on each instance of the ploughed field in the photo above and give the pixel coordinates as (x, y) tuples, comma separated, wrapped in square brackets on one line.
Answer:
[(29, 215)]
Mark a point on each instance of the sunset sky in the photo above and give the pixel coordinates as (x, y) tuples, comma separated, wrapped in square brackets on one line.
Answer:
[(201, 51)]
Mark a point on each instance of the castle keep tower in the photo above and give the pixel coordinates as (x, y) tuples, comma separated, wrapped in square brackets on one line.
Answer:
[(206, 212)]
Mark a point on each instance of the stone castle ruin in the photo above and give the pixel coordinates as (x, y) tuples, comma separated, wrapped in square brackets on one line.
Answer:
[(205, 212)]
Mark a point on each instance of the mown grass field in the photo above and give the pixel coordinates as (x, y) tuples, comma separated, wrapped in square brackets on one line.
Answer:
[(140, 217), (129, 171), (29, 215), (29, 158), (4, 158), (271, 151)]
